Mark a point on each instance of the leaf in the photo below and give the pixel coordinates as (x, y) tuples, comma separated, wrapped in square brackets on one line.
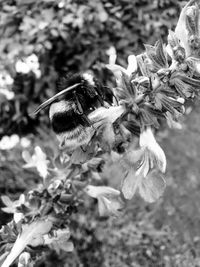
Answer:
[(161, 54), (184, 90), (152, 186)]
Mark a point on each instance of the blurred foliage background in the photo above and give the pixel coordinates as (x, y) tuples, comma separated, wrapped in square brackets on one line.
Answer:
[(42, 39)]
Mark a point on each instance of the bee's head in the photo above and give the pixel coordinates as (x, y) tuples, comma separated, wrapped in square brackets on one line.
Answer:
[(82, 89)]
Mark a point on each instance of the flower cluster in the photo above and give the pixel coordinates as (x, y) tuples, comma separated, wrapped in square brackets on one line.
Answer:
[(152, 89)]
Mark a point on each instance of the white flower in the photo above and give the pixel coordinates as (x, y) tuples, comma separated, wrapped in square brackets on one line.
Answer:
[(33, 64), (102, 120), (24, 259), (37, 160), (7, 142), (8, 94), (150, 187), (28, 64), (5, 79), (132, 64), (22, 67), (11, 206), (109, 201), (103, 115), (148, 142), (25, 142), (111, 52)]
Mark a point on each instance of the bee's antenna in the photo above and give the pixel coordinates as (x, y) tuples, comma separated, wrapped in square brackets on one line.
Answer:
[(53, 98)]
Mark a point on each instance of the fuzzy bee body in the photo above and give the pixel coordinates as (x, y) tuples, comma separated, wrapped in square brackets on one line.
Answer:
[(69, 109), (71, 129)]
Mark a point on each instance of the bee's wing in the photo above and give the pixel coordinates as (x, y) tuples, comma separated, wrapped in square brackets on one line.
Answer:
[(53, 98)]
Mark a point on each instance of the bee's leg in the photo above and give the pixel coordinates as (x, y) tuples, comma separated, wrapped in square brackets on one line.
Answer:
[(78, 104), (111, 94), (100, 99), (87, 121)]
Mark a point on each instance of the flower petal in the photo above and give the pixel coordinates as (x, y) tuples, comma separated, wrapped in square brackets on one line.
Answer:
[(152, 186), (132, 64), (130, 184), (108, 207), (97, 191), (147, 140)]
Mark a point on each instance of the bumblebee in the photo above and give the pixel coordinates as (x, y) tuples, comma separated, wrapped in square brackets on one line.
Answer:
[(79, 95)]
